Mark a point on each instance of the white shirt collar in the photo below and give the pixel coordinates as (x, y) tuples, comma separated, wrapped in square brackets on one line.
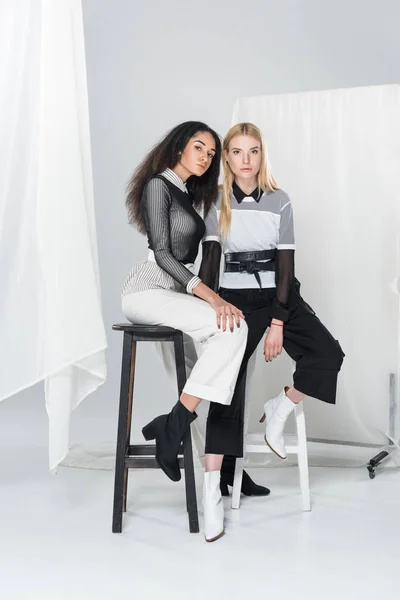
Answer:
[(175, 179)]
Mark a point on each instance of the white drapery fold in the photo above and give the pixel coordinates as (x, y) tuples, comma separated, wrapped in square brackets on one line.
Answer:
[(50, 308)]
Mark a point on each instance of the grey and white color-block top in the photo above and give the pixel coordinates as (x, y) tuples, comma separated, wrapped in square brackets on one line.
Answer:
[(174, 231), (259, 222)]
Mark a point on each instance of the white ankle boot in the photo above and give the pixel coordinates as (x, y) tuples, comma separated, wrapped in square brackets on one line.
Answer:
[(213, 507), (276, 412)]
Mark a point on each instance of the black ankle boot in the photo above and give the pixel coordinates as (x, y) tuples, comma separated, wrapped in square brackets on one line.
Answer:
[(249, 487), (168, 431)]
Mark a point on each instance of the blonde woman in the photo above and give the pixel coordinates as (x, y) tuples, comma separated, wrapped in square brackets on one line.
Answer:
[(252, 223)]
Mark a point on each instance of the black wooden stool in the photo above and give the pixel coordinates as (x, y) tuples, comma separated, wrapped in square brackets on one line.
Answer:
[(143, 455)]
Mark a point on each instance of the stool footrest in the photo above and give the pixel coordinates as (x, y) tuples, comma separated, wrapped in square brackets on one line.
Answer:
[(145, 450), (142, 462), (141, 450)]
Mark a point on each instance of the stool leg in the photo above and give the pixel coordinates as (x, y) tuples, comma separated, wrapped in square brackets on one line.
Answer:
[(122, 433), (128, 433), (237, 483), (190, 483), (302, 457)]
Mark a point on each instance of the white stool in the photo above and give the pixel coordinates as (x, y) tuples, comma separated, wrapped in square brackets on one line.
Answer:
[(254, 442)]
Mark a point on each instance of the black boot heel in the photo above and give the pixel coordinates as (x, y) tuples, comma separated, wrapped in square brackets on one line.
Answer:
[(149, 431)]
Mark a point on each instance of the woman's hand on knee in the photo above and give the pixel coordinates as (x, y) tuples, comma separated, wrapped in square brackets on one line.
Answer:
[(226, 313), (273, 343)]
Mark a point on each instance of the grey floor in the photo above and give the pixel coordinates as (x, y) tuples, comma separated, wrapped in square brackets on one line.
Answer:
[(56, 541)]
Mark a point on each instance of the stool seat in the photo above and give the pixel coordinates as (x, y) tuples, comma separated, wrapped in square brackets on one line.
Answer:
[(139, 456), (137, 329)]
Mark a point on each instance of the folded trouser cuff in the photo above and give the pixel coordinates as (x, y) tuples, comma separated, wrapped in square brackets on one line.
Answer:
[(207, 392), (317, 383)]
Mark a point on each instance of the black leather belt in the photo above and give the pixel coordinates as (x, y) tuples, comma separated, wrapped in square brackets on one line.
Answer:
[(245, 256), (249, 262)]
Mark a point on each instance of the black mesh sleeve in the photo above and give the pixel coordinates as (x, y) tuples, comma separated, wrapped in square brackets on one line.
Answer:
[(284, 284), (210, 264), (155, 207)]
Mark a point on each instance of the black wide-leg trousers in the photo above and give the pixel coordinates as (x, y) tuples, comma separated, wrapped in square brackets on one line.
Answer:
[(318, 357)]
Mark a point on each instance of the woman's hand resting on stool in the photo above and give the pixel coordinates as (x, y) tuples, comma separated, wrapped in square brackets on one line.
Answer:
[(273, 340)]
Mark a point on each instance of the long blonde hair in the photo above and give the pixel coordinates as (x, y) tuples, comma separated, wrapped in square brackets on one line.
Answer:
[(265, 179)]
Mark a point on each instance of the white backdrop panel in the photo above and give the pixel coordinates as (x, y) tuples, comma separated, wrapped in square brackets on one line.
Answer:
[(337, 155)]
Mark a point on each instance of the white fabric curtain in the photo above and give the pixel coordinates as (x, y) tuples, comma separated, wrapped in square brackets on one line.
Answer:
[(51, 324), (337, 155)]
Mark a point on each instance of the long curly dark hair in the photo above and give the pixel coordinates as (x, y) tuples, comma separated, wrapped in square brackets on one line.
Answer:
[(166, 155)]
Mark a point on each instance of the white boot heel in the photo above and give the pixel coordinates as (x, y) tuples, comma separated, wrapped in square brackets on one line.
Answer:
[(269, 408), (276, 412), (213, 507)]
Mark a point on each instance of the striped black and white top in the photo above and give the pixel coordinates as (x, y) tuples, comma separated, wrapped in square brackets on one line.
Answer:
[(174, 231)]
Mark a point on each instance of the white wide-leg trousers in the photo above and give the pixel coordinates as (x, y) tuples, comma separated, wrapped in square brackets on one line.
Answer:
[(213, 376)]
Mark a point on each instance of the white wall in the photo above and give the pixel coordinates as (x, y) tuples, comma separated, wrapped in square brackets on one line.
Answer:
[(153, 64)]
